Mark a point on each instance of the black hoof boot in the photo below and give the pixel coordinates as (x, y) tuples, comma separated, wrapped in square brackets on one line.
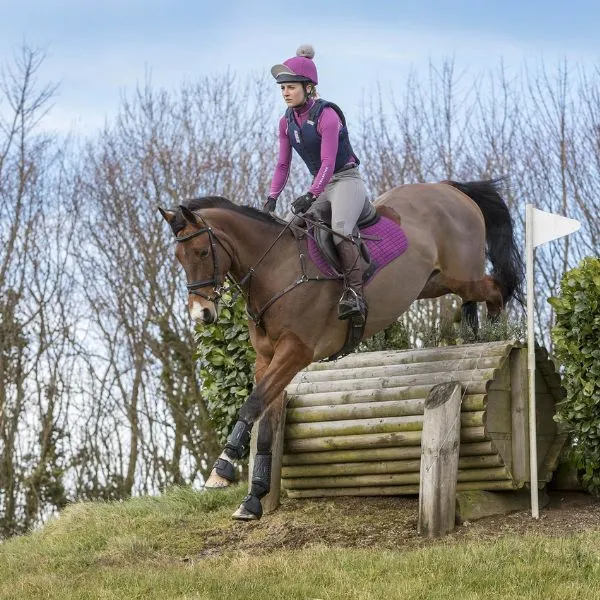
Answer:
[(250, 509), (225, 469), (469, 320)]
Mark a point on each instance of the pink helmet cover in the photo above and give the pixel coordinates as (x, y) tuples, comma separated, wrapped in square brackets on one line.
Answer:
[(297, 68)]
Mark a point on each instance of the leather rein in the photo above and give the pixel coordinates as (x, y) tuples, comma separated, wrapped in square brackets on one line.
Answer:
[(218, 283)]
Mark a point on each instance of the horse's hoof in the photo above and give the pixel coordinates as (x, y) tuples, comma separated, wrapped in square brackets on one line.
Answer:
[(243, 514), (216, 482), (250, 509)]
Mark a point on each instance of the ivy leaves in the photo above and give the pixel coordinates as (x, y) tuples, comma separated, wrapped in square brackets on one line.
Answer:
[(576, 339), (226, 360)]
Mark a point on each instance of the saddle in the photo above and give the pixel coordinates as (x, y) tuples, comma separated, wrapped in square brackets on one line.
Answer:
[(324, 237)]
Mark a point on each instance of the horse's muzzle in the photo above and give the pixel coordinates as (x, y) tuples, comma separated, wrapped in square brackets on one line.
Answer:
[(202, 314)]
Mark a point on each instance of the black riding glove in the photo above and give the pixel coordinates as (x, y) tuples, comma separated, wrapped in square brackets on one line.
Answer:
[(301, 204), (269, 205)]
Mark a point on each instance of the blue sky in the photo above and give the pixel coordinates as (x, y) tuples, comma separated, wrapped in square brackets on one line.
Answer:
[(98, 49)]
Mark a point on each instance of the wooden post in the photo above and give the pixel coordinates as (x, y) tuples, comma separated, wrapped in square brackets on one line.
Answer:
[(519, 415), (271, 501), (440, 444)]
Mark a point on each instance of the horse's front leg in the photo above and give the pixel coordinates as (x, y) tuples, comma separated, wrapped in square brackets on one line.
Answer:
[(260, 485), (290, 356), (223, 471)]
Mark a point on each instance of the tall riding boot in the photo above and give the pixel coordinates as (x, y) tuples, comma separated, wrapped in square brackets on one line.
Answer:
[(352, 301)]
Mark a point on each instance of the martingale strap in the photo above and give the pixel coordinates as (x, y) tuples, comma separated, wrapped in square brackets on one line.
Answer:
[(303, 278), (356, 323)]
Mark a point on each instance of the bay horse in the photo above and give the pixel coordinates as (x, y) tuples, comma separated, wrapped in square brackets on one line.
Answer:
[(452, 229)]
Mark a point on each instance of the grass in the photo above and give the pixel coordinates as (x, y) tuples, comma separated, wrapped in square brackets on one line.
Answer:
[(157, 548)]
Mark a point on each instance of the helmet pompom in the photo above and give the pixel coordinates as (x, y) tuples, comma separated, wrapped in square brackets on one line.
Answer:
[(306, 50)]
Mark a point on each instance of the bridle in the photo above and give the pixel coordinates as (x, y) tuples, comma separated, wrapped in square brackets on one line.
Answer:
[(355, 333), (218, 286)]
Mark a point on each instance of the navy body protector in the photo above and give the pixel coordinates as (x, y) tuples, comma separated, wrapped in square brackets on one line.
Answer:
[(306, 140)]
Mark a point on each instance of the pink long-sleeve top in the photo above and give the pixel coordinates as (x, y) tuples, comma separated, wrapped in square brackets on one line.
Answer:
[(328, 127)]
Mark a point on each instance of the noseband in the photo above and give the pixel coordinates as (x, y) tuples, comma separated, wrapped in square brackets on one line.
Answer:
[(195, 286)]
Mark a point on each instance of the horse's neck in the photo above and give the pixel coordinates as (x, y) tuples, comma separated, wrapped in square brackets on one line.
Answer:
[(256, 245)]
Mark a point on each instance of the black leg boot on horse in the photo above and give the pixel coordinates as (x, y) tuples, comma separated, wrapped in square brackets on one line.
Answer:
[(352, 302)]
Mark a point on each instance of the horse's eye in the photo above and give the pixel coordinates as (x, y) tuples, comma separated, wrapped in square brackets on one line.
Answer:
[(204, 253)]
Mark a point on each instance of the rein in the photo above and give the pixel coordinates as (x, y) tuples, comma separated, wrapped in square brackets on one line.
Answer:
[(219, 287), (303, 278)]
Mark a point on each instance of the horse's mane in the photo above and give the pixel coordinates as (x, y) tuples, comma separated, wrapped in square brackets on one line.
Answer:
[(179, 221)]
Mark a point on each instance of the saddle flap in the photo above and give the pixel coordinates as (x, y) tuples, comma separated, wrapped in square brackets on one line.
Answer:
[(324, 237)]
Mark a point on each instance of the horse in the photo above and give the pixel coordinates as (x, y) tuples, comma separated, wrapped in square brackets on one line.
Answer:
[(452, 229)]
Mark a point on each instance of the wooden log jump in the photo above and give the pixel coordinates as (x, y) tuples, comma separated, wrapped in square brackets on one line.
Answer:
[(354, 426)]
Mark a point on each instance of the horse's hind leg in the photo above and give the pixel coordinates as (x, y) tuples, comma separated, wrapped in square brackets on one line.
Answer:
[(470, 319), (485, 290), (494, 301), (438, 285), (482, 290)]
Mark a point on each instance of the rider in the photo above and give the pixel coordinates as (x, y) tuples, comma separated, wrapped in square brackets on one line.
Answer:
[(317, 130)]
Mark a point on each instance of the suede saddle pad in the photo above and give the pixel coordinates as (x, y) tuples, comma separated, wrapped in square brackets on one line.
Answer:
[(381, 241)]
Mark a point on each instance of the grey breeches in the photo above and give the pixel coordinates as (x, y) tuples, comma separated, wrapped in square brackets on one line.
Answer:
[(347, 195)]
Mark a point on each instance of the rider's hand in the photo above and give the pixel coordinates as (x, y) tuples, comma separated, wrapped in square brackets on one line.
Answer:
[(301, 204), (269, 205)]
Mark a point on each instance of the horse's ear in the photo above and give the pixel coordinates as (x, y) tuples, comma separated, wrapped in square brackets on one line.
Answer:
[(168, 215), (188, 214)]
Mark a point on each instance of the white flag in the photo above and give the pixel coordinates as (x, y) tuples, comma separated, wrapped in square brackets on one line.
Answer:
[(540, 227), (548, 226)]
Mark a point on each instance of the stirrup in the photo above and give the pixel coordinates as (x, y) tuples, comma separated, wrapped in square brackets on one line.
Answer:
[(346, 309)]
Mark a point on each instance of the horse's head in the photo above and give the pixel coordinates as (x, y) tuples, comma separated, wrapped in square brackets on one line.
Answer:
[(203, 258)]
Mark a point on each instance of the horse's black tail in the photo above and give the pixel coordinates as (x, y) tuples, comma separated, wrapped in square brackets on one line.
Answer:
[(502, 251)]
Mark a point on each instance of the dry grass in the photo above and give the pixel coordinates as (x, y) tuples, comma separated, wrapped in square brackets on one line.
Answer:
[(184, 545)]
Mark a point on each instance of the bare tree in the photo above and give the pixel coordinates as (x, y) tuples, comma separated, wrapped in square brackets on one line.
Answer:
[(35, 315), (163, 149)]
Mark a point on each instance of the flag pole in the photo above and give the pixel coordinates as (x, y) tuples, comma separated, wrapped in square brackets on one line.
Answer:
[(540, 227), (533, 469)]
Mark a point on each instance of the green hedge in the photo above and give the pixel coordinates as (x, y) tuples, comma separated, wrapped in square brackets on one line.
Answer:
[(576, 339), (226, 359)]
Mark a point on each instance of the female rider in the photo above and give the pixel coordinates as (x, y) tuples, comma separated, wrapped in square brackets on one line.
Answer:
[(317, 130)]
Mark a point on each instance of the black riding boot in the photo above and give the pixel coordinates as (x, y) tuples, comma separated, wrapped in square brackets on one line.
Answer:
[(352, 301)]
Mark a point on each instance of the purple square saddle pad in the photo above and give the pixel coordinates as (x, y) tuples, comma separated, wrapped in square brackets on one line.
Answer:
[(391, 243)]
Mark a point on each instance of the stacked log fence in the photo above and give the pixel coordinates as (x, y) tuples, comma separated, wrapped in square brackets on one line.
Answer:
[(353, 427)]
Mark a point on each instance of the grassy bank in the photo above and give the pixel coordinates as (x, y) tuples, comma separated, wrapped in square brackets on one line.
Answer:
[(184, 545)]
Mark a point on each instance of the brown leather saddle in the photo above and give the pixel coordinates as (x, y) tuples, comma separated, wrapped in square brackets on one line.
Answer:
[(323, 236)]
